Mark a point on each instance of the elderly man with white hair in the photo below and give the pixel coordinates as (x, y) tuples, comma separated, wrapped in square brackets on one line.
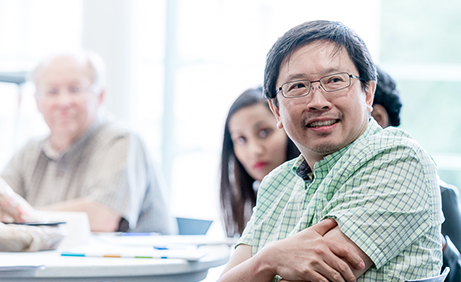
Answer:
[(87, 163)]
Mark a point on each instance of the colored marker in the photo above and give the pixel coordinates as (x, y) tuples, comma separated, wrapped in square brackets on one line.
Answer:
[(109, 256)]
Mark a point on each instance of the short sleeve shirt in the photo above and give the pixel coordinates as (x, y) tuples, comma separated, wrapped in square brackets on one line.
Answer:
[(382, 190), (108, 164)]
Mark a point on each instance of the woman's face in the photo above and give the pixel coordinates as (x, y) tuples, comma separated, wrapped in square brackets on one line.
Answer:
[(258, 144)]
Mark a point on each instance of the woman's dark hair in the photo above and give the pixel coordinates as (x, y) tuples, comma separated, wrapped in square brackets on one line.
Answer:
[(309, 32), (236, 184), (387, 95)]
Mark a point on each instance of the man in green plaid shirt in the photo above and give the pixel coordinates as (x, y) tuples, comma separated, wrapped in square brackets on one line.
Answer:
[(359, 203)]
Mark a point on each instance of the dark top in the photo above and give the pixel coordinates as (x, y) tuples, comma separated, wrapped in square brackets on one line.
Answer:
[(451, 227)]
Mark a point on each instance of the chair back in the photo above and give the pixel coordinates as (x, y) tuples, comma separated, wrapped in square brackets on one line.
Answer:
[(439, 278), (192, 226), (452, 259)]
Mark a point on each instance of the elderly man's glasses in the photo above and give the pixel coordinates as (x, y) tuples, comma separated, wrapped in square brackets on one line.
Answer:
[(329, 83), (73, 91)]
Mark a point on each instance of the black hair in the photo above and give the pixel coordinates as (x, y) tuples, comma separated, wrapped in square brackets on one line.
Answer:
[(236, 184), (301, 35), (387, 95)]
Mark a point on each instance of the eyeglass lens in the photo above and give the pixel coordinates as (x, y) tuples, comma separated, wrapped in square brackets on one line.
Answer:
[(329, 83)]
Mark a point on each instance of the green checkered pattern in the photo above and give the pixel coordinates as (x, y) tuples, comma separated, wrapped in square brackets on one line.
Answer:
[(381, 189)]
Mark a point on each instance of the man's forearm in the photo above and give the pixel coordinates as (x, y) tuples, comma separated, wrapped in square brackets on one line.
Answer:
[(340, 239), (247, 271), (101, 218), (243, 267), (306, 256), (319, 253)]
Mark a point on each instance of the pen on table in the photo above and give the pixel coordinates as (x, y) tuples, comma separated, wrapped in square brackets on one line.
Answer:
[(176, 247), (109, 255)]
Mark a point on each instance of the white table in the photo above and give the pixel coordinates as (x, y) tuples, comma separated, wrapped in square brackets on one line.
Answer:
[(59, 268)]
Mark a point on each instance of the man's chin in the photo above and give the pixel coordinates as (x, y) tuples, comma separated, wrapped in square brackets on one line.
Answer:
[(64, 130), (326, 149)]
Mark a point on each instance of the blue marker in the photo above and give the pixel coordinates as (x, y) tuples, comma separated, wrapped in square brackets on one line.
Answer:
[(138, 234)]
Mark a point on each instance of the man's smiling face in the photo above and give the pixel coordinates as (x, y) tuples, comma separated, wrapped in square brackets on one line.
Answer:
[(322, 122)]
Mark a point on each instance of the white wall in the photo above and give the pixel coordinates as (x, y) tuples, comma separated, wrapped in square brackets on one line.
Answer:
[(218, 52)]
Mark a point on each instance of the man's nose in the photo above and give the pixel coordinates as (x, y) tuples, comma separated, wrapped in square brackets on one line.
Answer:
[(64, 97), (317, 99)]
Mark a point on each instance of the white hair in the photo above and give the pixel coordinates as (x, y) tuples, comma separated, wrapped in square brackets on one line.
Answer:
[(92, 59)]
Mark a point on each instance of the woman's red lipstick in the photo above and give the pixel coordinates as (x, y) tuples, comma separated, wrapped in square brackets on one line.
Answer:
[(260, 165)]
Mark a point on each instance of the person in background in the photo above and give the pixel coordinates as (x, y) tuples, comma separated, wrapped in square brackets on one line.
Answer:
[(360, 203), (252, 147), (386, 111), (88, 162), (387, 104), (23, 238)]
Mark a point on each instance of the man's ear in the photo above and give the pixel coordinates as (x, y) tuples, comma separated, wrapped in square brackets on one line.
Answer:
[(379, 113), (370, 94), (102, 94), (275, 110)]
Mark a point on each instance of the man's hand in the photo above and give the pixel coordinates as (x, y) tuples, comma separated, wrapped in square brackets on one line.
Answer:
[(12, 206), (23, 238), (319, 253), (308, 256)]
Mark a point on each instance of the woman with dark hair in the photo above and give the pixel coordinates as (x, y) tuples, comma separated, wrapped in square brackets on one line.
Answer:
[(252, 147)]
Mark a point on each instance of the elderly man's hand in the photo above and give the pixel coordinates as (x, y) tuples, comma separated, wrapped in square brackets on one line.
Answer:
[(13, 208), (23, 238), (309, 256)]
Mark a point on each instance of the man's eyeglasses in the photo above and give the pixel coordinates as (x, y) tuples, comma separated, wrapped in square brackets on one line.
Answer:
[(329, 83), (74, 91)]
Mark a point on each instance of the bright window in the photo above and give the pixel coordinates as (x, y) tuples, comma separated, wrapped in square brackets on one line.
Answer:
[(422, 53), (175, 67)]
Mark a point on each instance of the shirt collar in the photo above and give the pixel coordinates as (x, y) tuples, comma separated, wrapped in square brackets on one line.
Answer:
[(75, 147), (302, 169)]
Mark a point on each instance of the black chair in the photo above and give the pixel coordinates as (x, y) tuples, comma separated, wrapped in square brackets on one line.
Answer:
[(452, 260), (451, 229)]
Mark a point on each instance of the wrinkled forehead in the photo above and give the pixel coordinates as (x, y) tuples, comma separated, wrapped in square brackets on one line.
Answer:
[(320, 57), (333, 50), (70, 67)]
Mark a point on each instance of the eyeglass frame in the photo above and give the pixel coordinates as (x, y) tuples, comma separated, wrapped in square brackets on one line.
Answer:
[(321, 85), (43, 94)]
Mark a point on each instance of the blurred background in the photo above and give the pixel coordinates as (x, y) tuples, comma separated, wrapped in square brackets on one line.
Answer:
[(175, 66)]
